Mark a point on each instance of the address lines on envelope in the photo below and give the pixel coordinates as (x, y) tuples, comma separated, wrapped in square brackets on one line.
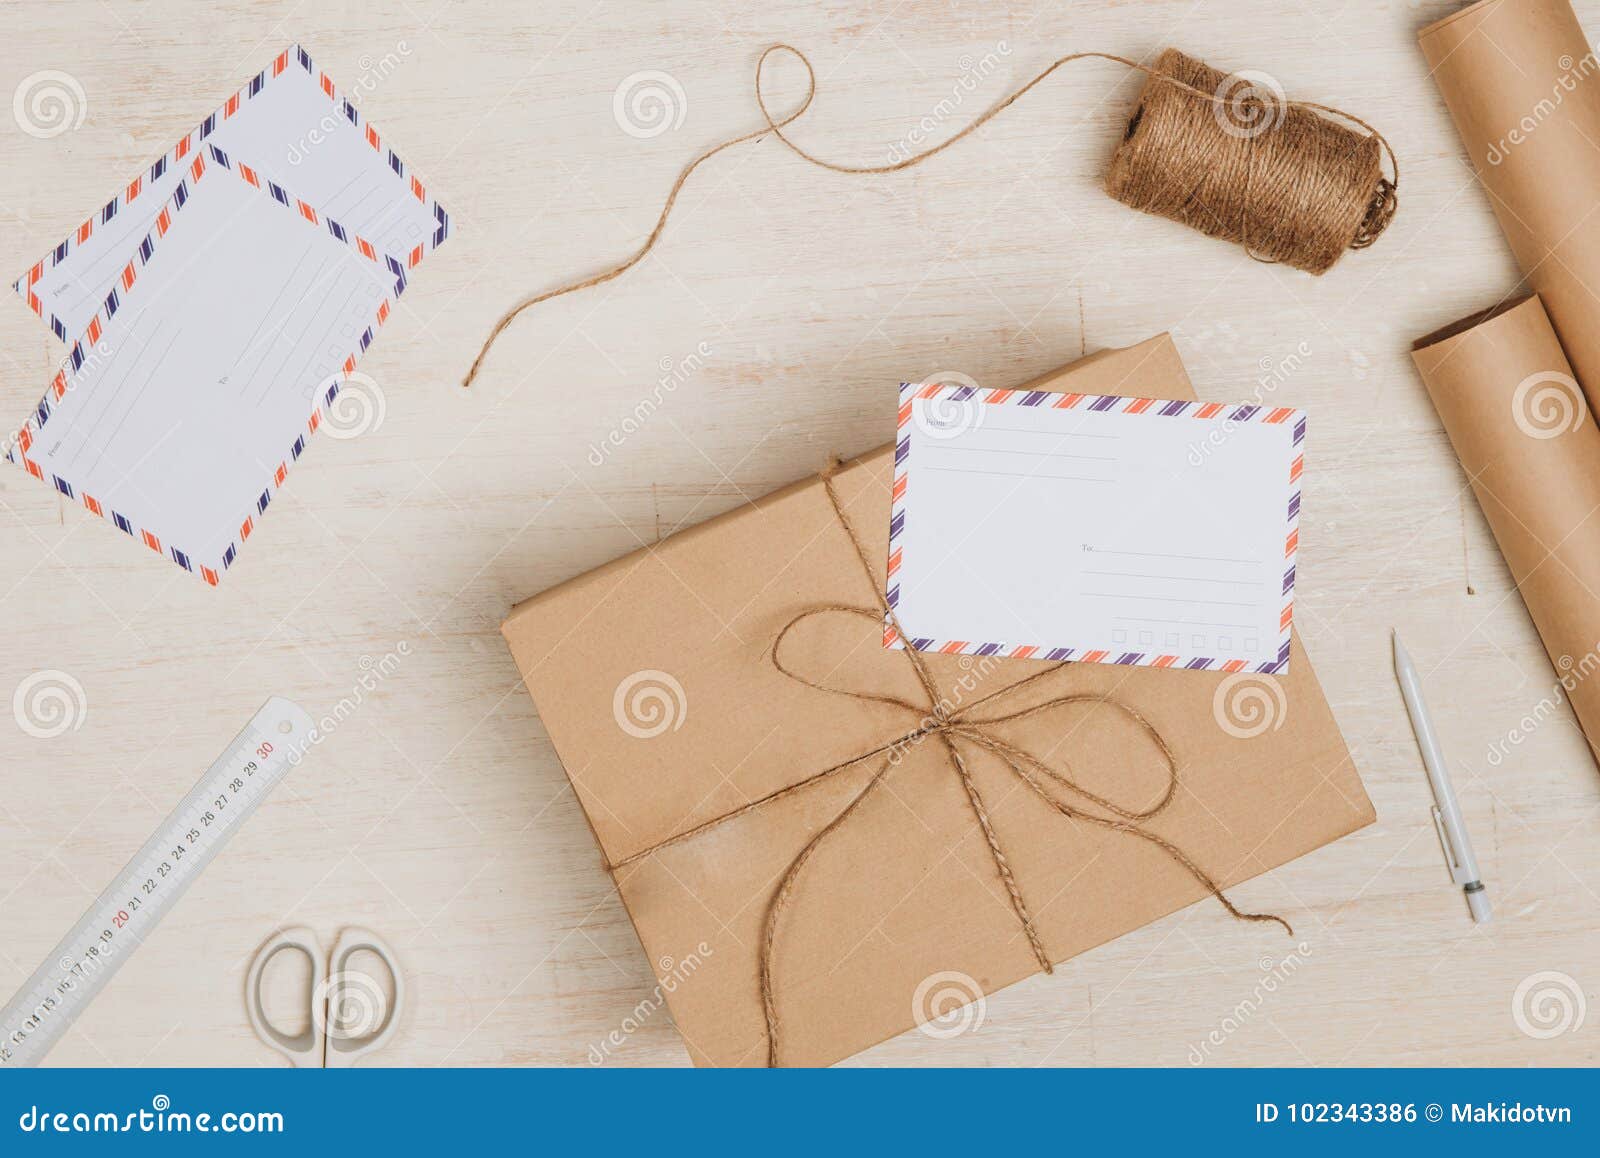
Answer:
[(305, 299), (99, 272), (1073, 456), (73, 460), (1087, 528), (221, 346), (1170, 601), (1253, 585), (349, 270), (300, 289), (1054, 454)]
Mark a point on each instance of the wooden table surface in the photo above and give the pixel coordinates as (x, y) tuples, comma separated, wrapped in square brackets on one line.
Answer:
[(437, 812)]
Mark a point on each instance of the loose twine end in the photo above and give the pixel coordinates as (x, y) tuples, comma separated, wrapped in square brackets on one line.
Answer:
[(1288, 184)]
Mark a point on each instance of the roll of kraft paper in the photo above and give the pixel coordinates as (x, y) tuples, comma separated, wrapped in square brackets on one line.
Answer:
[(1529, 444), (1523, 89)]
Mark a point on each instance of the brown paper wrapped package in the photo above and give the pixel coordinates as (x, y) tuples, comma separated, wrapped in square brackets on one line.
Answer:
[(908, 888), (1530, 448)]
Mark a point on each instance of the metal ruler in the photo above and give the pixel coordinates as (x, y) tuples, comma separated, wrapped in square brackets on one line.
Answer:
[(151, 883)]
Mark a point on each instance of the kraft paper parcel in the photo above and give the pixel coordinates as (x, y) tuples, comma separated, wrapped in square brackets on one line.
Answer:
[(910, 890)]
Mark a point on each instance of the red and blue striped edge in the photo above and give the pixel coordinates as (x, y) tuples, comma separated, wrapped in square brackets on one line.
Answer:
[(911, 392), (22, 441), (293, 56)]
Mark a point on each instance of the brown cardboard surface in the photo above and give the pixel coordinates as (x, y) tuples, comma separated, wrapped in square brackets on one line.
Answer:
[(1534, 465), (907, 888), (1524, 91)]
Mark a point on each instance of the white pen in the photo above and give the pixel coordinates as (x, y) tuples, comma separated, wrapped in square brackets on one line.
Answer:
[(1446, 812)]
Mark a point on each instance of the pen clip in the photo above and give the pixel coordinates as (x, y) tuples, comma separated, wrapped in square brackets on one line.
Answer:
[(1451, 860)]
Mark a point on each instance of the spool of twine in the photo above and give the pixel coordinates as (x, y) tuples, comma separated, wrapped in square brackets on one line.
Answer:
[(1229, 156), (1224, 153)]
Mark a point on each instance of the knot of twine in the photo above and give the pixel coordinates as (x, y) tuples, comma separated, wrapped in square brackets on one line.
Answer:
[(1204, 148), (946, 726)]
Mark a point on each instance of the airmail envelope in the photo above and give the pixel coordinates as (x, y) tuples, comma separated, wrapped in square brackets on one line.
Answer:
[(216, 309), (1095, 528)]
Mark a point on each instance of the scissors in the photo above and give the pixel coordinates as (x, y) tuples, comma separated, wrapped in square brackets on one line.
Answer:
[(351, 1015)]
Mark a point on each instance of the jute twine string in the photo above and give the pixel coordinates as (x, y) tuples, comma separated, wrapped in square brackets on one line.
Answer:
[(1300, 190), (947, 727), (1277, 177)]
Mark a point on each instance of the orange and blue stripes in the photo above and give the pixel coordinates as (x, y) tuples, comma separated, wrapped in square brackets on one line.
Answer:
[(277, 193), (912, 392), (82, 349), (191, 142)]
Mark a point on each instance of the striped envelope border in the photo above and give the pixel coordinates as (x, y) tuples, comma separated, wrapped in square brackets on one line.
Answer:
[(294, 57), (83, 349), (1233, 412)]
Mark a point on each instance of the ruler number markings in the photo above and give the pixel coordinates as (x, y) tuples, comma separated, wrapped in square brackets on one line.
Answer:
[(179, 849)]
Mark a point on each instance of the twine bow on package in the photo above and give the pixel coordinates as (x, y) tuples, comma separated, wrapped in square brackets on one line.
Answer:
[(833, 826)]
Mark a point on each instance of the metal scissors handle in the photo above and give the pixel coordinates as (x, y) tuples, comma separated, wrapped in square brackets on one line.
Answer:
[(350, 1015)]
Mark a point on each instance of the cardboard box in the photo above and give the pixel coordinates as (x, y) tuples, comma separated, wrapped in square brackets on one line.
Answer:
[(652, 676)]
